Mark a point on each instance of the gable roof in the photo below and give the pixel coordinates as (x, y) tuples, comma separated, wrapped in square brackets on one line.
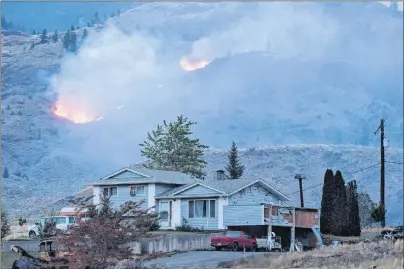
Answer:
[(146, 176), (226, 187)]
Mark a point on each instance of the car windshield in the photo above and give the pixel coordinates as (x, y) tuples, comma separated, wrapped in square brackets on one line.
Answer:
[(233, 234)]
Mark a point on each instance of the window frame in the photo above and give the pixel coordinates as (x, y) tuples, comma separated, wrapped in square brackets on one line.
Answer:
[(207, 203), (109, 188)]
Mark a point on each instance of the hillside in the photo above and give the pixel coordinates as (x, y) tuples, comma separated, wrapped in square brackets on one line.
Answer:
[(325, 75)]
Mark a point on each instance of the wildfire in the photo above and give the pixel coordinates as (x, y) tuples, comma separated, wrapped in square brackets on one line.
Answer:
[(78, 117), (192, 65)]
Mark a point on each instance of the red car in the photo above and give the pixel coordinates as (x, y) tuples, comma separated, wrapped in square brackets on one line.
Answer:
[(234, 240)]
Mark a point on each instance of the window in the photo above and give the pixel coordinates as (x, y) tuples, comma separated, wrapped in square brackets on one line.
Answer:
[(191, 209), (61, 220), (110, 191), (72, 220), (202, 209), (163, 211), (137, 190), (233, 234), (212, 207)]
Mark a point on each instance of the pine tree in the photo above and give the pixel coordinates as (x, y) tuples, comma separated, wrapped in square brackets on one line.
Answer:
[(170, 147), (55, 36), (5, 226), (33, 32), (72, 28), (234, 167), (88, 24), (44, 38), (96, 18), (85, 33), (340, 206), (353, 223), (394, 5), (73, 41), (5, 173), (327, 203), (66, 40), (4, 23)]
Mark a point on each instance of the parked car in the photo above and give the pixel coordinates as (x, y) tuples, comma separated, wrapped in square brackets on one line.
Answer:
[(62, 224), (234, 240)]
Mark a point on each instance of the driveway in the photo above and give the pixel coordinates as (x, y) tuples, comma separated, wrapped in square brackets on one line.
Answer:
[(200, 259)]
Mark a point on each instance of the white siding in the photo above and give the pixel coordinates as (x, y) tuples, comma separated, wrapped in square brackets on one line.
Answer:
[(151, 194), (176, 217), (221, 203), (96, 193)]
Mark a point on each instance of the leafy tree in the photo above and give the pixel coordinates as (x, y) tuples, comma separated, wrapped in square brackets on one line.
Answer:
[(5, 226), (55, 36), (234, 167), (366, 206), (378, 213), (98, 242), (5, 173), (171, 148), (353, 225), (44, 38), (327, 203)]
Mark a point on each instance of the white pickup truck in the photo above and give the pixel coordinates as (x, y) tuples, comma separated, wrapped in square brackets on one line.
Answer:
[(271, 244), (62, 224)]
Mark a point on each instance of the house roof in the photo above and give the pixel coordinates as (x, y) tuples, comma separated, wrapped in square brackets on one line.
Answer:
[(226, 187), (146, 176)]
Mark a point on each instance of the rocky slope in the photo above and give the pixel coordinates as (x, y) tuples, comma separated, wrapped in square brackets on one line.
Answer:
[(326, 75)]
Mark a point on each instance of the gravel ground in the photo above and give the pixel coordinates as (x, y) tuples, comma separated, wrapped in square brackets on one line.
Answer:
[(200, 259)]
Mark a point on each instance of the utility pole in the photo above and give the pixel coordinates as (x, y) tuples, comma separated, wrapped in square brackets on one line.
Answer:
[(382, 172), (300, 178)]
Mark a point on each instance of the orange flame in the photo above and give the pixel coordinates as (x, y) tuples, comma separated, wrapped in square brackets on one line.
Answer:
[(192, 65), (78, 117)]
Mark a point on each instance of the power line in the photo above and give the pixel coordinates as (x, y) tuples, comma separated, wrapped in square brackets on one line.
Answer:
[(349, 173), (394, 162)]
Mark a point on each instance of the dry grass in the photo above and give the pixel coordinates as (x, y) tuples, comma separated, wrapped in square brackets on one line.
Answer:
[(380, 255)]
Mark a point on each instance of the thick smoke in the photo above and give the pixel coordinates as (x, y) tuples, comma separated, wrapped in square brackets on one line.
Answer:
[(140, 70)]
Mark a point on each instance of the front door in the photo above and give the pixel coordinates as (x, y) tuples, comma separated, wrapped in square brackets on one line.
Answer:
[(165, 210)]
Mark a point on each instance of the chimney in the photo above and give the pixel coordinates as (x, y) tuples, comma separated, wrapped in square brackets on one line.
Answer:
[(220, 175)]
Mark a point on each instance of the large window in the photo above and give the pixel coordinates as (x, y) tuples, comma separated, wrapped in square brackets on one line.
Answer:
[(110, 191), (136, 190), (202, 209)]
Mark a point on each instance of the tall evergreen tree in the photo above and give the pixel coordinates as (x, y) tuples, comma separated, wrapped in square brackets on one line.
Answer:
[(353, 225), (73, 41), (55, 36), (234, 167), (170, 147), (85, 33), (44, 37), (96, 18), (5, 173), (88, 24), (66, 40), (5, 226), (4, 24), (327, 203), (33, 32), (72, 28), (340, 205)]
